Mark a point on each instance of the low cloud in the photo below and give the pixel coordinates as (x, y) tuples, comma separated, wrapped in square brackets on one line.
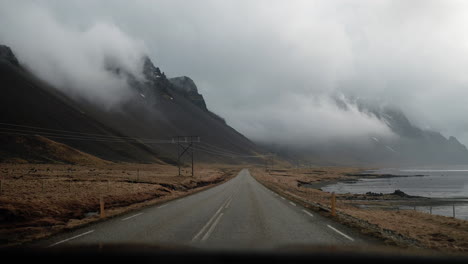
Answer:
[(75, 60), (267, 66), (310, 121)]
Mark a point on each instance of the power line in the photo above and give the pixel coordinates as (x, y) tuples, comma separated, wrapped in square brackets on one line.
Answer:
[(72, 132), (234, 155), (75, 135), (213, 151), (104, 138), (85, 139), (220, 153), (221, 149)]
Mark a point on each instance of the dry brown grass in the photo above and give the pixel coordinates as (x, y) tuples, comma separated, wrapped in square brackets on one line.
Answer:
[(41, 149), (429, 231), (38, 200)]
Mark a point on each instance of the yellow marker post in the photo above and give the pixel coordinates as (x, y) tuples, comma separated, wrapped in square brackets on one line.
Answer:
[(333, 204), (101, 202)]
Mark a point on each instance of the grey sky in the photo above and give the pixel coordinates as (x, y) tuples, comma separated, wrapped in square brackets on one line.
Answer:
[(269, 66)]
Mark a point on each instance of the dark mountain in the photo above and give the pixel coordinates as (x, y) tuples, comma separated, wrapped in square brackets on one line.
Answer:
[(186, 86), (418, 145), (140, 130)]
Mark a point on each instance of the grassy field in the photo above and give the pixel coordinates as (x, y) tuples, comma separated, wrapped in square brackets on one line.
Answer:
[(37, 200)]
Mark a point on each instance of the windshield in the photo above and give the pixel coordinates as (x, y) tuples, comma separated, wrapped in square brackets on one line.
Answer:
[(235, 126)]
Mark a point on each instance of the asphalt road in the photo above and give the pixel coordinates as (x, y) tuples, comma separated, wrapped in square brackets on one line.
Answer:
[(239, 214)]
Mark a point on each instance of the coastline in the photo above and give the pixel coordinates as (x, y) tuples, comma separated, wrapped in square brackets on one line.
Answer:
[(376, 215), (384, 201)]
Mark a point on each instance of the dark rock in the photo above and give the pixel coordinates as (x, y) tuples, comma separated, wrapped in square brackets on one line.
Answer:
[(187, 87), (7, 54), (373, 194), (400, 193)]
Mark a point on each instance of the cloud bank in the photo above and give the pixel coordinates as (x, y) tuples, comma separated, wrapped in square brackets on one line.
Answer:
[(77, 61), (311, 121), (269, 67)]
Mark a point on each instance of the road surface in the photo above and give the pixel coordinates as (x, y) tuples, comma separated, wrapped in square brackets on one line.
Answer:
[(238, 214)]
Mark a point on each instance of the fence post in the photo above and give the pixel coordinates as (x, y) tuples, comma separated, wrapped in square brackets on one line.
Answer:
[(101, 203), (430, 209), (333, 204)]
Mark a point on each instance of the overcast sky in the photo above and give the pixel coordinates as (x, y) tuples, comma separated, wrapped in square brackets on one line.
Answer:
[(267, 66)]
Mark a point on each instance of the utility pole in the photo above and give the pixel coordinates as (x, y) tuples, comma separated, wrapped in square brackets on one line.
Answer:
[(192, 159), (273, 159), (185, 144), (270, 161)]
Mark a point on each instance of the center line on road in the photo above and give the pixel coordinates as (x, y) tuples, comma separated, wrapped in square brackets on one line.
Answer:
[(307, 212), (162, 206), (131, 216), (209, 222), (68, 239), (282, 198), (336, 230), (207, 235), (292, 203), (229, 203)]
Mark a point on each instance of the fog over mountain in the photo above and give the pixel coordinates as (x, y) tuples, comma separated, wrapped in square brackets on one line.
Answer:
[(272, 69)]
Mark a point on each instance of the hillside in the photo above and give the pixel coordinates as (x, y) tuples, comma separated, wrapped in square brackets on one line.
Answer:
[(140, 130)]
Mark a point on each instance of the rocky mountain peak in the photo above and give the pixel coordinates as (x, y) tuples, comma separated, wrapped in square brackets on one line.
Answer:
[(187, 87), (7, 54), (184, 84), (151, 72)]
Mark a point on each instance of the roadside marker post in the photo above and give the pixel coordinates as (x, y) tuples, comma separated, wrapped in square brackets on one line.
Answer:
[(333, 204), (101, 203), (69, 180)]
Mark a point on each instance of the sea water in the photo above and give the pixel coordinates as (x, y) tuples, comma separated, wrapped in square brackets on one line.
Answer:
[(441, 183)]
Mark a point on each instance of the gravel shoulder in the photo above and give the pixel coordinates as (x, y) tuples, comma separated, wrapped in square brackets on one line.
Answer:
[(402, 228)]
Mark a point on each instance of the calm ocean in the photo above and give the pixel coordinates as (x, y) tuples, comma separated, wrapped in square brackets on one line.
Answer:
[(448, 183)]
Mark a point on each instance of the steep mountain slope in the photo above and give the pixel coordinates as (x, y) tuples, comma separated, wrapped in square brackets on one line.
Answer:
[(186, 86), (140, 129), (27, 101), (417, 145)]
